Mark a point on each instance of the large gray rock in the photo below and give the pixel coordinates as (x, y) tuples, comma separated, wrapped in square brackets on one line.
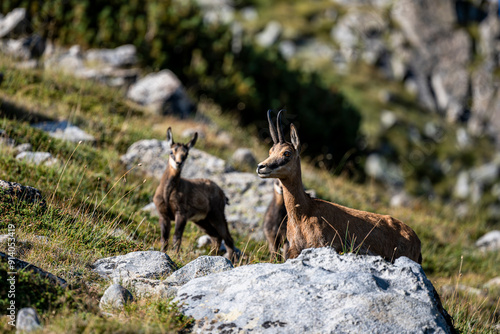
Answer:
[(65, 131), (202, 266), (122, 56), (145, 264), (489, 242), (115, 297), (244, 158), (25, 193), (162, 93), (318, 292), (27, 320), (14, 23)]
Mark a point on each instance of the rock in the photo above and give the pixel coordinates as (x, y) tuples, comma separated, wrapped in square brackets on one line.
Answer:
[(69, 62), (145, 264), (493, 283), (269, 35), (400, 199), (22, 265), (325, 293), (162, 93), (27, 320), (243, 158), (388, 119), (65, 131), (25, 48), (462, 187), (122, 56), (451, 290), (115, 297), (151, 208), (485, 174), (24, 193), (202, 266), (489, 242), (287, 49), (204, 241), (14, 23), (379, 168), (27, 147), (216, 11), (37, 158), (249, 13)]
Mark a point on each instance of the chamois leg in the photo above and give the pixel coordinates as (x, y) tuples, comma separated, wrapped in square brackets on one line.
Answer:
[(222, 228), (165, 232), (180, 224)]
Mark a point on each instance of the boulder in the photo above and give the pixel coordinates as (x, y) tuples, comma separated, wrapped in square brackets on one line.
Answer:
[(65, 131), (143, 264), (216, 11), (202, 266), (162, 93), (27, 320), (38, 158), (18, 264), (122, 56), (24, 193), (324, 293), (244, 158), (25, 48), (115, 297), (269, 35), (489, 242), (14, 23)]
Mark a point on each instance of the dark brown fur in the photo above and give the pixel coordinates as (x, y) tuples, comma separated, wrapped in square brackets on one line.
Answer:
[(275, 221), (317, 223), (198, 200)]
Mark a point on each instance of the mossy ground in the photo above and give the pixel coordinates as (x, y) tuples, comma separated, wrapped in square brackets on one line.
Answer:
[(90, 196)]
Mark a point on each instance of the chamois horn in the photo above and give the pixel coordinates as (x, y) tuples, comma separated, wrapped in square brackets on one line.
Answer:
[(272, 128), (280, 128)]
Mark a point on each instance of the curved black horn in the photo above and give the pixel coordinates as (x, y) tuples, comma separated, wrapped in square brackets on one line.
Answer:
[(280, 128), (272, 129)]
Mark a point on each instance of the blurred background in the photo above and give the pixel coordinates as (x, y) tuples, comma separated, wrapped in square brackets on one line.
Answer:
[(403, 93)]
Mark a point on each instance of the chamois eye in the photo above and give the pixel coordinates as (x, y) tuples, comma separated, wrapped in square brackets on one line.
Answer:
[(287, 154)]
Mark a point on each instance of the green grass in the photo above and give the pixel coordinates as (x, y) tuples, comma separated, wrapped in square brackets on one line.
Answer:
[(90, 195)]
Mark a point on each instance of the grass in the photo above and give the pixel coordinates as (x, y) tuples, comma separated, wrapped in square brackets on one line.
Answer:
[(94, 206)]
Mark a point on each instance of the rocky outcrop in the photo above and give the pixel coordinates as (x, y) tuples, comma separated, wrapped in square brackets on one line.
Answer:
[(325, 293), (162, 93), (145, 264), (24, 193)]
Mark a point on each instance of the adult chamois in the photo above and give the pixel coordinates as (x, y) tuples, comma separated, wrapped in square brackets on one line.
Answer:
[(318, 223), (198, 200), (275, 221)]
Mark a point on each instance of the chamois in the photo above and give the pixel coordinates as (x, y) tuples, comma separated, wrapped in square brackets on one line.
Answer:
[(317, 223), (275, 221), (198, 200)]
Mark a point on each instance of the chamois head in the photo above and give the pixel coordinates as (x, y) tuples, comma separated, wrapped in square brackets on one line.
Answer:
[(179, 152), (284, 157)]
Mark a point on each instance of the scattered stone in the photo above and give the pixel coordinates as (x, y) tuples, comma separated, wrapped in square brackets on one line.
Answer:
[(22, 265), (27, 147), (162, 93), (216, 11), (204, 241), (489, 242), (38, 158), (65, 131), (24, 193), (243, 158), (493, 283), (269, 35), (14, 23), (144, 264), (388, 119), (151, 208), (462, 188), (27, 320), (115, 297), (325, 293), (122, 56), (451, 290)]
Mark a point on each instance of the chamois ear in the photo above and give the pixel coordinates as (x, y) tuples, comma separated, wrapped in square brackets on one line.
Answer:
[(193, 141), (170, 137), (295, 137)]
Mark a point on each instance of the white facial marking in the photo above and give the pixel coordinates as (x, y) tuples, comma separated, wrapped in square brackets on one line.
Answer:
[(172, 163)]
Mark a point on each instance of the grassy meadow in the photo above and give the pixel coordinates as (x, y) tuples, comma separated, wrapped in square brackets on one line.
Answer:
[(94, 209)]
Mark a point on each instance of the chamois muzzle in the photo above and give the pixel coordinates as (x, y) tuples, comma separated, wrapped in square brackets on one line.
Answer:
[(263, 170)]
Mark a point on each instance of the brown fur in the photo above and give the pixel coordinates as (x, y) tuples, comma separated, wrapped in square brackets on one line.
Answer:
[(275, 221), (317, 223), (198, 200)]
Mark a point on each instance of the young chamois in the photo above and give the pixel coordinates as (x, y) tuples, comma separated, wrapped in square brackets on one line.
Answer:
[(318, 223), (198, 200), (275, 221)]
